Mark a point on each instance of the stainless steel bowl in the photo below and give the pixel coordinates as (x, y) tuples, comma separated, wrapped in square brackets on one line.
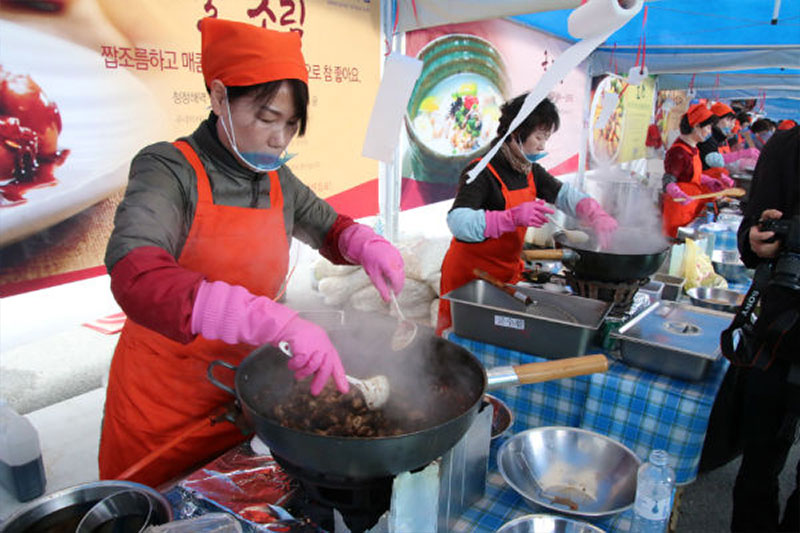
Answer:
[(714, 298), (570, 470), (545, 523), (501, 415), (63, 510), (728, 265)]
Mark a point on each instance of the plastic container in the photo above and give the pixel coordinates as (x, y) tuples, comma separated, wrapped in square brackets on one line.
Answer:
[(21, 467), (655, 485)]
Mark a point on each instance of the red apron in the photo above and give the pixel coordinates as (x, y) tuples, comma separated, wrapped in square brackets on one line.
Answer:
[(677, 214), (158, 387), (499, 257)]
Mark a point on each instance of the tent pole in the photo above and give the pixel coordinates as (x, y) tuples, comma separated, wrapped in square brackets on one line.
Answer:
[(389, 174), (582, 147), (775, 10)]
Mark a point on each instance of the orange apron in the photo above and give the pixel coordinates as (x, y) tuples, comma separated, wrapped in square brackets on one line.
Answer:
[(499, 257), (158, 387), (677, 214)]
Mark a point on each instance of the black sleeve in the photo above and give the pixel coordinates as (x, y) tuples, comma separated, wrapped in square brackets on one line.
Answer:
[(547, 185), (705, 148), (482, 193), (776, 185)]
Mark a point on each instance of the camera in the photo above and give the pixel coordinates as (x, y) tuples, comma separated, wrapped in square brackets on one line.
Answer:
[(786, 269)]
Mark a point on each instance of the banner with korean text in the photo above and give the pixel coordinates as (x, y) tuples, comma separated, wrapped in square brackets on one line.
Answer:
[(111, 77)]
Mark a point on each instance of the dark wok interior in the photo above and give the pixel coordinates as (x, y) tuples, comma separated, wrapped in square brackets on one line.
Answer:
[(431, 381)]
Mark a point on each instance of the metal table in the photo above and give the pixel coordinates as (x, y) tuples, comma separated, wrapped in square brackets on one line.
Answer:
[(637, 408)]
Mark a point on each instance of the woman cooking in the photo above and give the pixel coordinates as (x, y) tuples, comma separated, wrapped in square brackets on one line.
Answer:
[(683, 170), (490, 215), (199, 255), (716, 153)]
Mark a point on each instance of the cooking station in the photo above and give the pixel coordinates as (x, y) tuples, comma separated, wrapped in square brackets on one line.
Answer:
[(640, 408)]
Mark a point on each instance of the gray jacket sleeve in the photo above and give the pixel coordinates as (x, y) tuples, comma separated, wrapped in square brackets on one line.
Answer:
[(154, 209), (307, 216)]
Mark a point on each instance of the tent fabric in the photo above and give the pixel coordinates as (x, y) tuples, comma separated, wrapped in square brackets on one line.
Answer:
[(683, 38)]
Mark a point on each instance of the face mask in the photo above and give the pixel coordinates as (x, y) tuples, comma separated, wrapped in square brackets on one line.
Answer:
[(533, 158), (707, 137), (726, 130), (255, 161)]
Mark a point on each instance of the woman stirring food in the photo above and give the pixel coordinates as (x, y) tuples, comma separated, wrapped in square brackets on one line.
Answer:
[(490, 215), (683, 170), (199, 253)]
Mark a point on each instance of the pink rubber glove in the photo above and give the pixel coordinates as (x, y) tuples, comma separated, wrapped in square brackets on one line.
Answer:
[(232, 314), (675, 192), (603, 224), (726, 181), (712, 184), (381, 261), (749, 153), (523, 215)]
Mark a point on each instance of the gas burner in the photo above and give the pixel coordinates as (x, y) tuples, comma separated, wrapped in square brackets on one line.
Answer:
[(360, 502), (620, 293)]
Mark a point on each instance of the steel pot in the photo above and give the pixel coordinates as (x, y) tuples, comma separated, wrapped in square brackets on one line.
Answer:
[(263, 379)]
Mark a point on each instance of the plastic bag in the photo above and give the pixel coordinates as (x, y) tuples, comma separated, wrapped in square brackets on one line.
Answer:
[(698, 269)]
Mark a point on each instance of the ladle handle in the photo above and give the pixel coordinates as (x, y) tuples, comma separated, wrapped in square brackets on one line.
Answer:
[(485, 276), (735, 192), (509, 376), (555, 254)]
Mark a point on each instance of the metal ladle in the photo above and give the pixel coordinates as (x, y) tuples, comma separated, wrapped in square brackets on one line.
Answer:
[(375, 390), (573, 235), (406, 329)]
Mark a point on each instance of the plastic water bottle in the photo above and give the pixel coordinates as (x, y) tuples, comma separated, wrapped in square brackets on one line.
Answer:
[(21, 467), (655, 484)]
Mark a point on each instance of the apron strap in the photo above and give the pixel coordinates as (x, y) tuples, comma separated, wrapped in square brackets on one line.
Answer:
[(203, 186)]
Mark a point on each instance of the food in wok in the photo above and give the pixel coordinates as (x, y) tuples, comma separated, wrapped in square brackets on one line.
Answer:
[(347, 415)]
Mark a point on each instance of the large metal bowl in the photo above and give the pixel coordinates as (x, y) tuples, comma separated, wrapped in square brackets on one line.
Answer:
[(545, 523), (63, 510), (570, 470), (714, 298)]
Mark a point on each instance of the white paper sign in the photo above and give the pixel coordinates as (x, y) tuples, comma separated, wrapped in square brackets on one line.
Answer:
[(383, 132)]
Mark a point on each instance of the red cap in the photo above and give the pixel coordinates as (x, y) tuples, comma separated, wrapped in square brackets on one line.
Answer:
[(787, 124), (698, 113), (238, 54), (721, 109)]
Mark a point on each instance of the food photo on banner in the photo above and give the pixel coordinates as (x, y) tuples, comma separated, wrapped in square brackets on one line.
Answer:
[(468, 71), (620, 114), (86, 84)]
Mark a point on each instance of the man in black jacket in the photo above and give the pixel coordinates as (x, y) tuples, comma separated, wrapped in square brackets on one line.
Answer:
[(770, 399)]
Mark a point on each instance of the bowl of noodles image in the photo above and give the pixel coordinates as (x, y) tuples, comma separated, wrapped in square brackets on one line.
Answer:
[(606, 138), (454, 109)]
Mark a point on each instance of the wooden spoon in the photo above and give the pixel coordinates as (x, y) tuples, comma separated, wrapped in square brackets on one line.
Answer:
[(734, 192)]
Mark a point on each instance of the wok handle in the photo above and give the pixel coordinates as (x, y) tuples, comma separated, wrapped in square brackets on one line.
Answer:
[(561, 368), (555, 254), (511, 376), (215, 381)]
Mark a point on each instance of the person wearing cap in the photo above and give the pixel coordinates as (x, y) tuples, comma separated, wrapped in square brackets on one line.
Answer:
[(683, 170), (717, 153), (199, 254), (491, 214)]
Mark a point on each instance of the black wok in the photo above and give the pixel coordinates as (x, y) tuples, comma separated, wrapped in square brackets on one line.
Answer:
[(263, 379), (631, 255)]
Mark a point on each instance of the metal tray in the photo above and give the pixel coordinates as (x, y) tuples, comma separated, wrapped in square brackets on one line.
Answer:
[(554, 326), (673, 339)]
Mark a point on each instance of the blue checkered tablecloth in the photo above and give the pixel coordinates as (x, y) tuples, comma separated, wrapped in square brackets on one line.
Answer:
[(640, 409)]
